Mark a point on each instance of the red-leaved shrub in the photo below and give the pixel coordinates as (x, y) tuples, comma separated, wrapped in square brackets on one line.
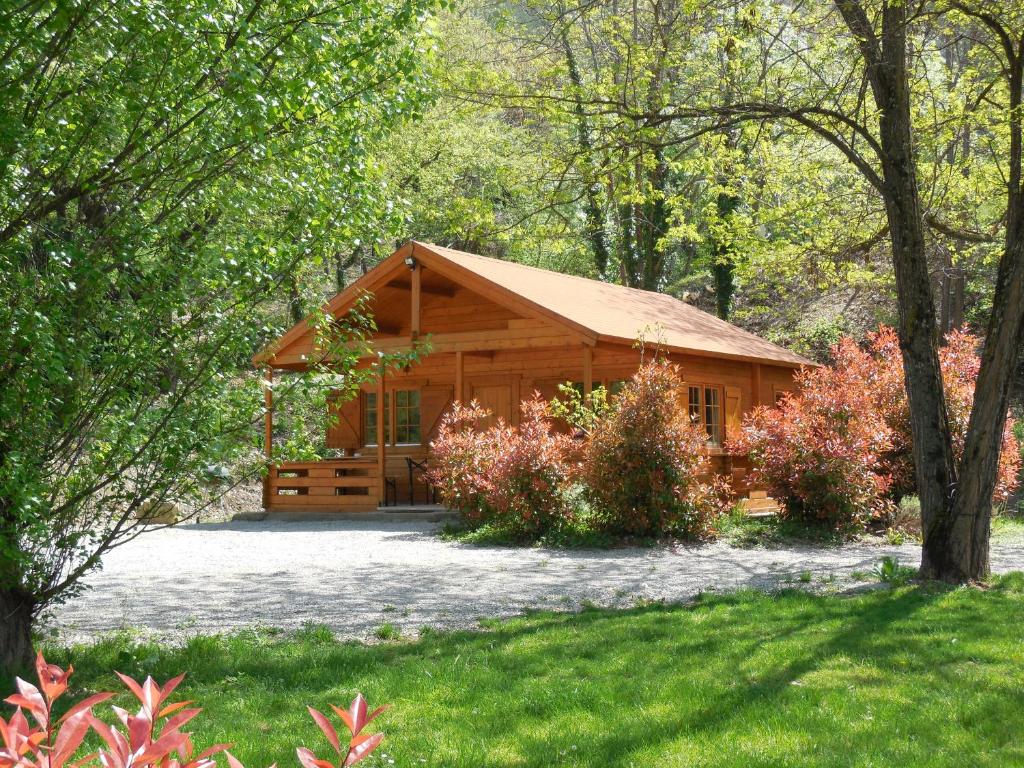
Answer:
[(644, 460), (818, 450), (513, 477), (151, 738), (840, 450), (960, 366)]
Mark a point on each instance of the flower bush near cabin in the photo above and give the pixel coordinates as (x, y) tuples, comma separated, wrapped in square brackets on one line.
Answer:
[(841, 449), (513, 477), (150, 738), (644, 460), (818, 451)]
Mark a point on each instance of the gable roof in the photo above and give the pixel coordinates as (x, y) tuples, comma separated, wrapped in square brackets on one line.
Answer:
[(602, 311)]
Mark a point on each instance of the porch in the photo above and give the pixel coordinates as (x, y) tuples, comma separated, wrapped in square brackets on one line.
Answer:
[(346, 484)]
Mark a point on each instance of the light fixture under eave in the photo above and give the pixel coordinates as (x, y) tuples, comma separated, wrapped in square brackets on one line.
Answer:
[(410, 262)]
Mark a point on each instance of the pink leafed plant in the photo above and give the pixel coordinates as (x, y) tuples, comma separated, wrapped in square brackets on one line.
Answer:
[(358, 746), (49, 743), (151, 738)]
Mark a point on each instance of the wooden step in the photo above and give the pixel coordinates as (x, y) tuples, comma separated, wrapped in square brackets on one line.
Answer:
[(759, 505)]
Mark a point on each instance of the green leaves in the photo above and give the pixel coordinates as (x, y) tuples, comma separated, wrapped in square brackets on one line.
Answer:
[(166, 165)]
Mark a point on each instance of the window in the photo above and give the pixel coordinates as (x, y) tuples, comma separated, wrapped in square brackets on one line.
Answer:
[(705, 405), (401, 417), (370, 419), (407, 417)]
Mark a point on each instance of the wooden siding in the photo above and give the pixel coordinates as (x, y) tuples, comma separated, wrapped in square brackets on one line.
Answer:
[(521, 373)]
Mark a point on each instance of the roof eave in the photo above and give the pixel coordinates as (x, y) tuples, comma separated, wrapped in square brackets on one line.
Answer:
[(365, 283), (802, 363)]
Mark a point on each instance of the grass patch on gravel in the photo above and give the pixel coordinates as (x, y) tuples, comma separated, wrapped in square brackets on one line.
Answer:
[(911, 676), (567, 536), (1007, 527)]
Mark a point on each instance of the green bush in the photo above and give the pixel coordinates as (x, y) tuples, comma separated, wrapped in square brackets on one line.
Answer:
[(644, 461)]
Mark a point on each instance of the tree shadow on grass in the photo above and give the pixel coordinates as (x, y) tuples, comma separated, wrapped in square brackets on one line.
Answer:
[(608, 687)]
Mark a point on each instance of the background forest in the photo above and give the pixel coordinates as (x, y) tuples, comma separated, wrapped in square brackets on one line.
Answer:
[(549, 139)]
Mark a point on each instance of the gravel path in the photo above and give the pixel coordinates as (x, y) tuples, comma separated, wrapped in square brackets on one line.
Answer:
[(355, 576)]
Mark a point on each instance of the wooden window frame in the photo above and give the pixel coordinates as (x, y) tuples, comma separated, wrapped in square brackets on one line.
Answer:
[(394, 417), (716, 438), (390, 417), (365, 422)]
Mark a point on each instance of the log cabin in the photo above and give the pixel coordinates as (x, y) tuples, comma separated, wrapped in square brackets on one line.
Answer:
[(497, 332)]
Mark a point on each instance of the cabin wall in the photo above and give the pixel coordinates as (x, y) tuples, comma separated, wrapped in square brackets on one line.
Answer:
[(505, 378)]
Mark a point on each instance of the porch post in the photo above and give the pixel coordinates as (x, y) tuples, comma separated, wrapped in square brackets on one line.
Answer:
[(458, 378), (415, 322), (588, 372), (268, 431), (381, 414)]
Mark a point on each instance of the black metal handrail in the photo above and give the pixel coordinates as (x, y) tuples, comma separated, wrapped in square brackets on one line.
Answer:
[(420, 466)]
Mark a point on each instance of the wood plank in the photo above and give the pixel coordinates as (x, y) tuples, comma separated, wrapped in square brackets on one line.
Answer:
[(588, 371), (381, 436), (325, 482), (354, 461), (432, 290), (415, 301), (339, 502), (365, 487), (330, 472), (268, 415), (460, 381)]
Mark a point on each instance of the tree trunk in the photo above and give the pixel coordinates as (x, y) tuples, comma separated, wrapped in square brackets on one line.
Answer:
[(16, 609), (723, 266), (595, 227), (295, 307), (935, 467), (956, 548)]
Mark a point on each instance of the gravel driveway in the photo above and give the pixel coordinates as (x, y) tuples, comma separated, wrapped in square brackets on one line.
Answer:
[(355, 576)]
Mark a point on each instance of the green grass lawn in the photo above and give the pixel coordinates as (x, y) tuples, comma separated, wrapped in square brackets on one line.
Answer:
[(919, 675)]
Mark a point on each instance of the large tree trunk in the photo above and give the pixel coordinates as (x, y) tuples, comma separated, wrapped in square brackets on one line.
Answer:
[(934, 462), (956, 547), (969, 523), (16, 610)]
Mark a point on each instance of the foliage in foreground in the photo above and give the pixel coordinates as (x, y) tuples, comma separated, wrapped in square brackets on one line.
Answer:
[(916, 676), (165, 167), (151, 738), (839, 450)]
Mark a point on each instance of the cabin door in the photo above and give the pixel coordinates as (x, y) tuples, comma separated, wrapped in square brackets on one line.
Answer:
[(496, 398)]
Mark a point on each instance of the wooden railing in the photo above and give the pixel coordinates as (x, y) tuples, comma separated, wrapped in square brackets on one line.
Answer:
[(338, 485)]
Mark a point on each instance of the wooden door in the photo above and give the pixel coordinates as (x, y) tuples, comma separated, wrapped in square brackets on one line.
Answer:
[(496, 398)]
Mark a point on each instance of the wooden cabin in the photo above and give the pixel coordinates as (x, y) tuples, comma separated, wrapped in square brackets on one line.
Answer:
[(499, 331)]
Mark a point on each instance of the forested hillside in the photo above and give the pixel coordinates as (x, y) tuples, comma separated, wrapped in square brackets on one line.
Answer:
[(557, 136)]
